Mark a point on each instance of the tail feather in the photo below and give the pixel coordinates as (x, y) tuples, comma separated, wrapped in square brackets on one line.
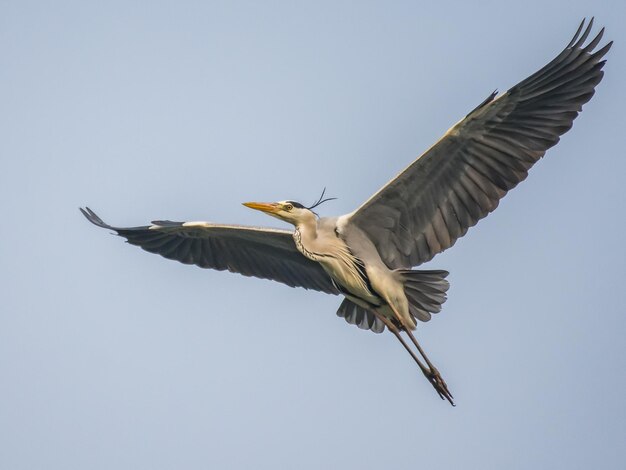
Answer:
[(425, 291), (360, 317), (428, 304), (432, 294)]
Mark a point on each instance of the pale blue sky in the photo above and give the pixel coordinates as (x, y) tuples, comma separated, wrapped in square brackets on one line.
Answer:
[(112, 358)]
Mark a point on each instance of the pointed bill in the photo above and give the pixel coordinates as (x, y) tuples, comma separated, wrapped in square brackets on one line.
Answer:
[(268, 207)]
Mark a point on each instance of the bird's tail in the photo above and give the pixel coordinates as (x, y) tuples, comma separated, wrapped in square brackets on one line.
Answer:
[(425, 291)]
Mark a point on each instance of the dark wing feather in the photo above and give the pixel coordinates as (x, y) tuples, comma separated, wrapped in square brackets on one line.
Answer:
[(260, 252), (462, 177)]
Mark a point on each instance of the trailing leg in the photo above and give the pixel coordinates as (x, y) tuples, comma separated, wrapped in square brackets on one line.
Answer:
[(434, 373), (429, 372)]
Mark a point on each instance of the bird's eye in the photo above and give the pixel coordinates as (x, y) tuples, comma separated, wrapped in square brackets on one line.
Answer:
[(288, 207)]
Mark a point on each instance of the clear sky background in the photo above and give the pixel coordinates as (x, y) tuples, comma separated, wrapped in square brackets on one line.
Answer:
[(113, 358)]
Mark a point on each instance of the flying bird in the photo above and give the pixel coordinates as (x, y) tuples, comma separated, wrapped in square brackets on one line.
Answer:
[(367, 256)]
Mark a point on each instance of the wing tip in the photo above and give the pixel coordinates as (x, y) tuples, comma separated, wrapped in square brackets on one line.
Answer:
[(92, 217), (579, 39), (578, 31)]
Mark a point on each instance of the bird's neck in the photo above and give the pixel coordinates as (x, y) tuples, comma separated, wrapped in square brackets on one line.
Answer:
[(305, 236), (307, 229)]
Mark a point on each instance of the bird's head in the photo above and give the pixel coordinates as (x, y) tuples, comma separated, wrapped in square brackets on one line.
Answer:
[(289, 211)]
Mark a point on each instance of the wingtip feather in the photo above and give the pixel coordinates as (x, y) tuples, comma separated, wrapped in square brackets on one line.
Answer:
[(575, 38), (584, 36), (92, 217)]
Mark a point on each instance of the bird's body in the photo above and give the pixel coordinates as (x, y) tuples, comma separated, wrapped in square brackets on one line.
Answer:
[(367, 256), (356, 268), (322, 241)]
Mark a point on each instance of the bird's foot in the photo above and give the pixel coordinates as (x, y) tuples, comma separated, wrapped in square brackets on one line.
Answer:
[(435, 379)]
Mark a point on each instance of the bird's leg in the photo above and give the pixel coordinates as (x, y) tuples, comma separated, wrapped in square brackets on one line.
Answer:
[(394, 329), (433, 374), (427, 371)]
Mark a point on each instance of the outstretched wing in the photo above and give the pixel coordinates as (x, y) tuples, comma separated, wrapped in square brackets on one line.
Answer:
[(461, 179), (260, 252)]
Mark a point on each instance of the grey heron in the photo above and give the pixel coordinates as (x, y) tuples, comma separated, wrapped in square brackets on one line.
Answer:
[(368, 255)]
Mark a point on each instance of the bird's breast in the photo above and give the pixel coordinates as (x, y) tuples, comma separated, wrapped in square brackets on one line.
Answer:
[(342, 266)]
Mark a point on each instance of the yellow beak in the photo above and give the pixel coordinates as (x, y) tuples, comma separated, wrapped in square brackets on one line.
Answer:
[(268, 207)]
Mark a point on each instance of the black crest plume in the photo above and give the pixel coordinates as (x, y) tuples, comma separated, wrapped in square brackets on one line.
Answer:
[(321, 200)]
